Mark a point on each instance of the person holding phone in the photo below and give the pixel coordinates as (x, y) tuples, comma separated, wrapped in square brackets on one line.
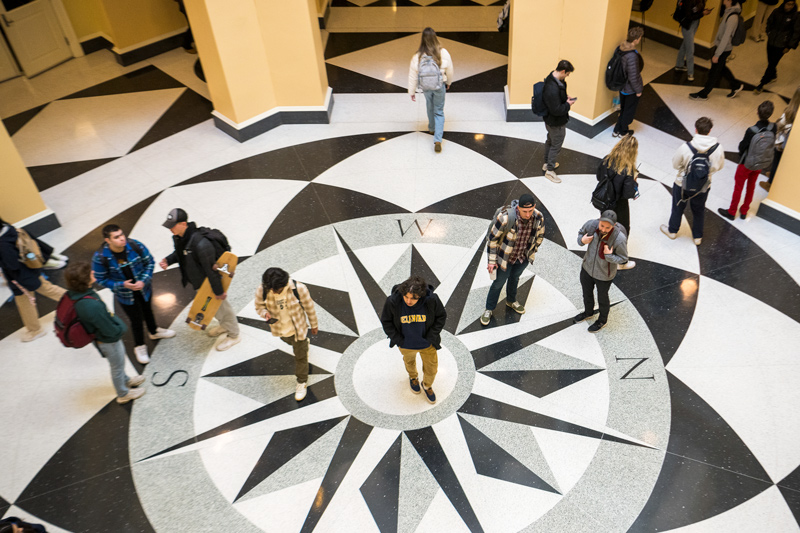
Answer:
[(287, 307)]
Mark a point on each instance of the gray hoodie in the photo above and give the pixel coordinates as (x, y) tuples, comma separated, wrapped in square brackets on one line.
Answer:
[(604, 269), (727, 27)]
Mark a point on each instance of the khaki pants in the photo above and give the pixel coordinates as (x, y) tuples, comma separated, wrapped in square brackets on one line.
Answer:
[(300, 349), (28, 311), (430, 364)]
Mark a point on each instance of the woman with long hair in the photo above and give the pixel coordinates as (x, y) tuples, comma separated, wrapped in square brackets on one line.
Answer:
[(430, 72), (783, 128), (620, 167)]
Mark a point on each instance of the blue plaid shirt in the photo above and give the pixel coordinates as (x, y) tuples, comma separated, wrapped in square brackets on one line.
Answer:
[(109, 274)]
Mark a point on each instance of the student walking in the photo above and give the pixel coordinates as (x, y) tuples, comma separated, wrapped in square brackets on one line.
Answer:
[(783, 34), (723, 44), (783, 127), (688, 15), (430, 72)]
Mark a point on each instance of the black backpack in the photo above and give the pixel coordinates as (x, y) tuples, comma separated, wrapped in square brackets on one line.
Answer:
[(604, 197), (683, 12), (740, 33), (216, 237), (615, 71), (509, 225), (697, 172), (537, 101)]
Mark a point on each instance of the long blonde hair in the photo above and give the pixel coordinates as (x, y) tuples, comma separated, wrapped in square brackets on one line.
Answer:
[(622, 157), (429, 45), (790, 113)]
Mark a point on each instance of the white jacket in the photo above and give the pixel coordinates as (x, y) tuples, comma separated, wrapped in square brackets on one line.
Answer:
[(446, 67), (701, 143)]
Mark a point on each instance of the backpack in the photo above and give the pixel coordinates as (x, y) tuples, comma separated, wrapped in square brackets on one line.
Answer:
[(134, 247), (69, 329), (537, 101), (683, 12), (604, 197), (697, 172), (29, 252), (740, 33), (509, 225), (615, 71), (761, 151), (216, 237), (429, 74)]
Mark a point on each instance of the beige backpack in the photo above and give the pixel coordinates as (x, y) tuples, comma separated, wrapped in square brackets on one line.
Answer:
[(29, 252)]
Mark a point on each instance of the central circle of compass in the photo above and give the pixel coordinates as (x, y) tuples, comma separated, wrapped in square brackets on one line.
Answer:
[(375, 412)]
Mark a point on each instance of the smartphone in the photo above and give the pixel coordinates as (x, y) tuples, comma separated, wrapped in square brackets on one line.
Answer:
[(272, 320)]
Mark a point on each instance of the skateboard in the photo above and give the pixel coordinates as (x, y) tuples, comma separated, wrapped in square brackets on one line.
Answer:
[(205, 306)]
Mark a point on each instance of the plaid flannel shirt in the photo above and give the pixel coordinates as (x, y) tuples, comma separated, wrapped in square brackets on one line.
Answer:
[(298, 316), (111, 276), (500, 252)]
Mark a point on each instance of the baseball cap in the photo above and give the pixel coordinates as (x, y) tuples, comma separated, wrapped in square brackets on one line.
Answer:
[(175, 216), (526, 200), (609, 216)]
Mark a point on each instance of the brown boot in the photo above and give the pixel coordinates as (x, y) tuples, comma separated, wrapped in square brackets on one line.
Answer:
[(437, 147)]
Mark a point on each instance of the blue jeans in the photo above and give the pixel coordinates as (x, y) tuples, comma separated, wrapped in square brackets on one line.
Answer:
[(511, 275), (115, 353), (434, 101), (686, 51), (696, 204)]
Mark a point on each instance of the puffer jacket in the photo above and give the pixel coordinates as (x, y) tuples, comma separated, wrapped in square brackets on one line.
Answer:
[(633, 64), (783, 29)]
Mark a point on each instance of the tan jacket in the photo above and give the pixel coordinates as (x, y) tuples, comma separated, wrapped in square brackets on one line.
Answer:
[(270, 306)]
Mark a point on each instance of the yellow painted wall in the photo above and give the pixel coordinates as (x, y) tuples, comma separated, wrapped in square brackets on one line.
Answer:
[(321, 5), (20, 198), (138, 21), (533, 47), (88, 17), (785, 188)]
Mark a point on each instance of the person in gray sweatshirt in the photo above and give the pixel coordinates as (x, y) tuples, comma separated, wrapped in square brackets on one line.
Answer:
[(723, 46), (607, 248)]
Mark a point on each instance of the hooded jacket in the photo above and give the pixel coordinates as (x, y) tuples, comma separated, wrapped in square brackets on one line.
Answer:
[(701, 143), (13, 269), (783, 29), (554, 95), (95, 318), (633, 63), (435, 317), (603, 269), (727, 27), (196, 257)]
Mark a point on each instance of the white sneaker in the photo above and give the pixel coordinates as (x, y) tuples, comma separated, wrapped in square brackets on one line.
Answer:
[(699, 241), (135, 381), (544, 167), (141, 354), (300, 391), (29, 336), (132, 395), (627, 266), (665, 231), (216, 331), (552, 176), (161, 333), (228, 343)]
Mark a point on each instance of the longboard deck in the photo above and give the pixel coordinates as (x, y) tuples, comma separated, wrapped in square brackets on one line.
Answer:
[(205, 305)]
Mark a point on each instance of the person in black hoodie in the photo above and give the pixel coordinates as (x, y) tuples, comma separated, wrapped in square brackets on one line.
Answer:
[(558, 104), (196, 256), (620, 166), (413, 318), (783, 34), (23, 282)]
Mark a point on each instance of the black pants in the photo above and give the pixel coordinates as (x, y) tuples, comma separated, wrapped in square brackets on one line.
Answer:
[(718, 71), (138, 312), (627, 110), (774, 55), (775, 162), (588, 283)]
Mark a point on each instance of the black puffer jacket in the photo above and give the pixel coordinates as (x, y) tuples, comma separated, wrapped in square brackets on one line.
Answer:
[(13, 269), (196, 257), (783, 29), (555, 99), (435, 317)]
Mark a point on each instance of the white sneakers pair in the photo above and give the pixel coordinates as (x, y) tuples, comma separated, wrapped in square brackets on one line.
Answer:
[(141, 351), (133, 393), (229, 341)]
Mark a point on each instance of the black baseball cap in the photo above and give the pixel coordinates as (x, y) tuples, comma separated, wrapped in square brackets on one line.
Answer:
[(526, 200), (175, 216)]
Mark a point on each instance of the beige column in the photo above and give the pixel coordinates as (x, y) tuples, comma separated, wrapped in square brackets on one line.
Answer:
[(20, 202), (263, 61), (782, 205), (585, 33)]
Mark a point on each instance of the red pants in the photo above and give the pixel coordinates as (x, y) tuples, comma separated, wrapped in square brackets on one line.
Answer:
[(743, 174)]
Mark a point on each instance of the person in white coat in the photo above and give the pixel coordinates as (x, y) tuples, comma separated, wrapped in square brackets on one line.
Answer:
[(431, 71)]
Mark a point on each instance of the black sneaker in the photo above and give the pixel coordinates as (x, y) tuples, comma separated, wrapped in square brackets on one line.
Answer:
[(724, 213), (736, 91), (581, 317), (597, 326), (414, 384), (698, 96), (429, 394), (743, 216)]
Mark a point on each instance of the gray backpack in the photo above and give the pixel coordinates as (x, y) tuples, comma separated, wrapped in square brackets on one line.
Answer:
[(761, 151), (429, 74)]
